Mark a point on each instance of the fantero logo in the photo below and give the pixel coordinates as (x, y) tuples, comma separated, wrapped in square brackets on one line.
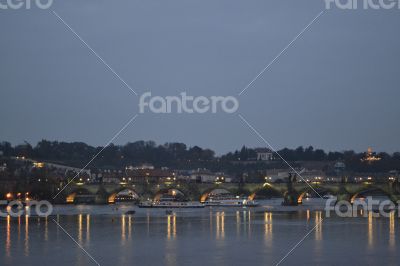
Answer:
[(362, 4), (15, 208), (25, 4), (187, 104)]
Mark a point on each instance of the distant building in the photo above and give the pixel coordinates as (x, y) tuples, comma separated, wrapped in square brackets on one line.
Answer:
[(144, 166), (339, 168), (276, 175), (333, 179), (111, 179), (183, 175), (206, 176), (59, 167), (311, 176), (149, 175), (370, 156), (203, 176), (264, 154)]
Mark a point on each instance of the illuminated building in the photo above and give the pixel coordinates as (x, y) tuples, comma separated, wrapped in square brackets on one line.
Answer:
[(370, 157)]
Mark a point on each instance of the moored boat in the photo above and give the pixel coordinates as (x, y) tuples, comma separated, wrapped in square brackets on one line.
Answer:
[(171, 204), (230, 202)]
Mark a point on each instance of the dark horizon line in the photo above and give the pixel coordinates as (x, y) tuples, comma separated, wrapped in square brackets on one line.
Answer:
[(217, 153)]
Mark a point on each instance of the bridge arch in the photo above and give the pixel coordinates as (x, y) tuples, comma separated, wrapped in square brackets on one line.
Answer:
[(266, 192), (174, 194), (313, 192), (82, 193), (123, 194), (371, 191), (216, 191)]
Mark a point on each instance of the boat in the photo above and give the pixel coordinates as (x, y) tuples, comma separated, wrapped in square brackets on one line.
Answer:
[(230, 202), (171, 204)]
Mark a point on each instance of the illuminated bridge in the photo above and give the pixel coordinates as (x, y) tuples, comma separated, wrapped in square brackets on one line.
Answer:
[(110, 193)]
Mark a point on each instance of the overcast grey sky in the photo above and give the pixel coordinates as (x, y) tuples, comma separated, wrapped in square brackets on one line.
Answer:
[(336, 87)]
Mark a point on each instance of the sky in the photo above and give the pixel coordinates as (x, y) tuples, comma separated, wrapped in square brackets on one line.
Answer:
[(335, 87)]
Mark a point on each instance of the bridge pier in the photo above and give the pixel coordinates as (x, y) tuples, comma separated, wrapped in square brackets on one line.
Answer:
[(291, 196)]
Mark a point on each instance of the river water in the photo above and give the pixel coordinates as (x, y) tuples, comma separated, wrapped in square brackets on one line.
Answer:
[(209, 236)]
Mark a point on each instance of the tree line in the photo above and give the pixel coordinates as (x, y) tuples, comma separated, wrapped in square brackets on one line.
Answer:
[(180, 156)]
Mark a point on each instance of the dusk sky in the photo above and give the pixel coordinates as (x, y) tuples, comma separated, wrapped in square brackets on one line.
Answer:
[(336, 87)]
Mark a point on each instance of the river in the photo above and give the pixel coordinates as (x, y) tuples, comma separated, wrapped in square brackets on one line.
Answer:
[(209, 236)]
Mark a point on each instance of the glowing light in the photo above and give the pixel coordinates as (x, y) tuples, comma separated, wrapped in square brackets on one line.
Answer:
[(370, 157), (38, 165), (71, 198)]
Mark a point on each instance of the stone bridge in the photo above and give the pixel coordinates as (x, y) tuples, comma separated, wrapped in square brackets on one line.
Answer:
[(106, 193)]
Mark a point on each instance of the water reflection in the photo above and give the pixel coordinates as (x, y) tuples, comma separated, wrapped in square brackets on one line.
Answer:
[(370, 231), (318, 227), (268, 223), (392, 241), (46, 229), (237, 223), (87, 227), (80, 228), (148, 223), (249, 223), (19, 229), (244, 222), (129, 227), (170, 254), (26, 241), (171, 226), (8, 238), (268, 229), (220, 225), (123, 235), (272, 231)]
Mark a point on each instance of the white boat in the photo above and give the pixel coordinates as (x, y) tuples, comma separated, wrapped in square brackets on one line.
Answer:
[(230, 202), (171, 204)]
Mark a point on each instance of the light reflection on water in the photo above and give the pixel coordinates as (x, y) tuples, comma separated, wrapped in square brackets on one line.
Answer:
[(26, 242), (170, 246), (173, 239), (370, 231), (88, 227), (171, 226), (8, 240), (220, 225), (268, 229), (318, 227), (123, 236), (392, 242)]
